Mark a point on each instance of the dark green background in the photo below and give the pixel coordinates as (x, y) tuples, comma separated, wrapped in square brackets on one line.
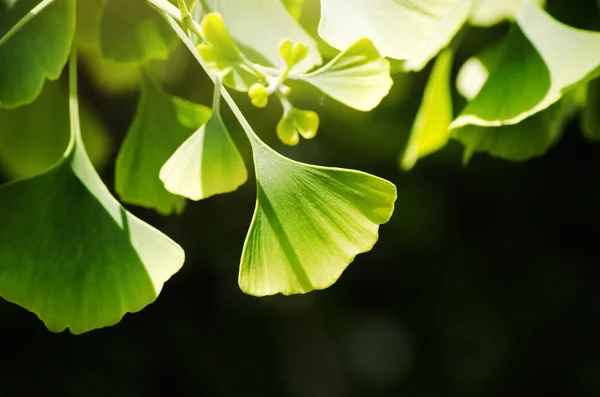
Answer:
[(486, 282)]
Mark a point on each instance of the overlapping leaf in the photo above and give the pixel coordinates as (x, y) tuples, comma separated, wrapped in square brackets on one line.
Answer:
[(162, 123), (357, 77), (36, 52), (533, 73), (207, 163)]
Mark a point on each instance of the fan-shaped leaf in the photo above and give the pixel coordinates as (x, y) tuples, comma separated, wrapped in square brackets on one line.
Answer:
[(309, 223), (358, 77), (36, 52), (162, 123), (532, 73)]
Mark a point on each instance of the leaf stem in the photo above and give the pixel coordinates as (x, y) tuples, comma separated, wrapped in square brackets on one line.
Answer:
[(75, 130), (23, 21), (172, 19)]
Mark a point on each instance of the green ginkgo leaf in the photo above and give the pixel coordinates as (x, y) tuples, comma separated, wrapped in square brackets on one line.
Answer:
[(591, 114), (260, 41), (530, 138), (29, 147), (70, 253), (162, 123), (222, 56), (532, 73), (37, 51), (89, 19), (398, 28), (132, 32), (207, 163), (309, 223), (430, 131), (357, 77)]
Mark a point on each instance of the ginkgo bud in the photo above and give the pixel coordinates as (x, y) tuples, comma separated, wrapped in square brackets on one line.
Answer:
[(259, 95)]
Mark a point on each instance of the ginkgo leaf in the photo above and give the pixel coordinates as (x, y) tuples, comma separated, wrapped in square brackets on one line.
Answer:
[(71, 254), (310, 222), (532, 73), (530, 138), (430, 131), (259, 40), (207, 163), (398, 28), (37, 51), (133, 32), (441, 37), (591, 114), (29, 147), (162, 123), (357, 77), (222, 56)]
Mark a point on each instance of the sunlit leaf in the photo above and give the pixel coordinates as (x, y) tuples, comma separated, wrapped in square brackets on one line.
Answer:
[(310, 222), (260, 25), (591, 114), (131, 31), (533, 72), (33, 137), (38, 51), (222, 56), (398, 28), (441, 37), (475, 71), (207, 163), (358, 77), (71, 254), (162, 123), (430, 131)]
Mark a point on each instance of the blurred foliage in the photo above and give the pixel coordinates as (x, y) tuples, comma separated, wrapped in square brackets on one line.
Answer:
[(484, 283)]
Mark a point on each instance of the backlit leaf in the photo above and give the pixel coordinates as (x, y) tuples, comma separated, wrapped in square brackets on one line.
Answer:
[(543, 59), (398, 28), (207, 163), (358, 77), (310, 222), (430, 131), (162, 123), (89, 261), (38, 51)]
